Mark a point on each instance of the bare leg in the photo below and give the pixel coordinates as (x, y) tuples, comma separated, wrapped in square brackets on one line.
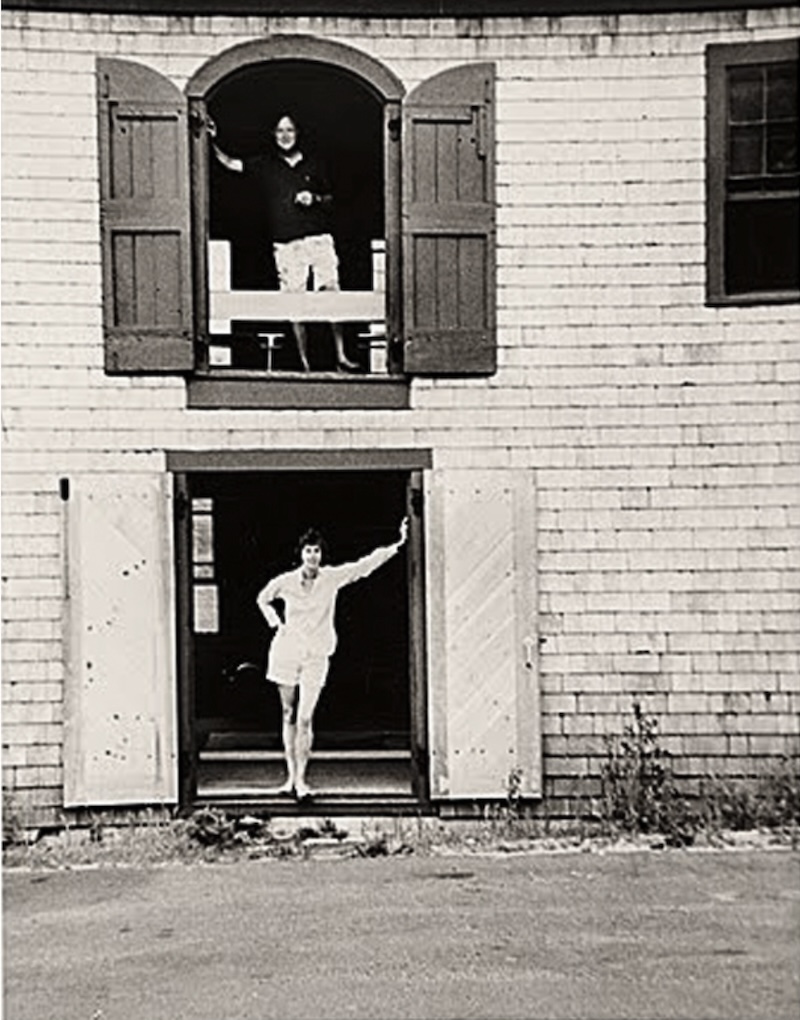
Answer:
[(289, 701), (301, 339), (342, 361), (305, 738), (341, 358), (309, 696)]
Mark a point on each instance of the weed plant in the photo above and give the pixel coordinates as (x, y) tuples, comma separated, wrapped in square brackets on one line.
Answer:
[(640, 795), (638, 789), (143, 838), (771, 800)]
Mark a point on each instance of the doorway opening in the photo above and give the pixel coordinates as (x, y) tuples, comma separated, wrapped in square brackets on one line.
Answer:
[(341, 126), (241, 529)]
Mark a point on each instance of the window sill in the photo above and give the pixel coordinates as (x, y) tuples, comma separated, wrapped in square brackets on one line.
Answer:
[(784, 297), (313, 391)]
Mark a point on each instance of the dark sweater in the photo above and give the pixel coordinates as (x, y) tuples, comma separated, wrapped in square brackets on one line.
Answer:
[(278, 183)]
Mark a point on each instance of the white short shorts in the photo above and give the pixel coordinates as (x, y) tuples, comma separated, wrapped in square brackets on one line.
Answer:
[(294, 261), (308, 673)]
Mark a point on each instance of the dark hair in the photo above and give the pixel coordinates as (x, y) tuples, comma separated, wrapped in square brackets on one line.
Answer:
[(290, 116), (312, 536)]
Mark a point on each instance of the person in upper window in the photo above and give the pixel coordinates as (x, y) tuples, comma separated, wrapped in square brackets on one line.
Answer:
[(305, 639), (298, 202)]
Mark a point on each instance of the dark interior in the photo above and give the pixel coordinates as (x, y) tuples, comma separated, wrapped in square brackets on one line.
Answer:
[(340, 123), (761, 245), (258, 518)]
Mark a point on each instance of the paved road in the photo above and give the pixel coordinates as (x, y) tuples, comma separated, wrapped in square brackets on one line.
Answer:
[(616, 935)]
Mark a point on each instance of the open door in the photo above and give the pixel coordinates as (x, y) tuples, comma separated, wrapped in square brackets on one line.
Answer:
[(120, 717), (484, 702), (240, 529)]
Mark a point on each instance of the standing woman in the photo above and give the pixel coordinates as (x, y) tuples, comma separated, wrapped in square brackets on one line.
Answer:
[(306, 638), (298, 201)]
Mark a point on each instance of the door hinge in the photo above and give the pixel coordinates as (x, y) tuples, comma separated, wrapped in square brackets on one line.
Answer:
[(198, 122), (416, 502)]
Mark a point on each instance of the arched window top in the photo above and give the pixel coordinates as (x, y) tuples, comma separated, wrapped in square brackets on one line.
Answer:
[(297, 47)]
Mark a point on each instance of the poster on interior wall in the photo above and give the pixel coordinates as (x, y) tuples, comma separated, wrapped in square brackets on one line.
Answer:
[(206, 609)]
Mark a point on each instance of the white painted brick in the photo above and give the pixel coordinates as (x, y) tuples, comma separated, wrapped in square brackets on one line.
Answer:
[(32, 713), (25, 692)]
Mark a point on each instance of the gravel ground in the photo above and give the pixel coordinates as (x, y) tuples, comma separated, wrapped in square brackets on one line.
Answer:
[(553, 933)]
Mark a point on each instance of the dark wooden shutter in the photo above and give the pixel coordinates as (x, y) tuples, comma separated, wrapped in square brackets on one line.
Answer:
[(145, 220), (449, 224)]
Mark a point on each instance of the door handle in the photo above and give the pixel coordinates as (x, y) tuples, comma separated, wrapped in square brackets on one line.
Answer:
[(528, 645)]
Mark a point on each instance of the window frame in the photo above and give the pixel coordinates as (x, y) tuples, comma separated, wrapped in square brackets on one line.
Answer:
[(720, 57), (210, 388)]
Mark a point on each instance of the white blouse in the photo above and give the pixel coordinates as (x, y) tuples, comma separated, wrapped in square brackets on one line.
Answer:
[(308, 630)]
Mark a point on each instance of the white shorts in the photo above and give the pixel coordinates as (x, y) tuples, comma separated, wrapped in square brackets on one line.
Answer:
[(308, 673), (295, 259)]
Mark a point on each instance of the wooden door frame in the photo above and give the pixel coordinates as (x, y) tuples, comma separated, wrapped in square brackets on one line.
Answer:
[(417, 646), (409, 461), (187, 731)]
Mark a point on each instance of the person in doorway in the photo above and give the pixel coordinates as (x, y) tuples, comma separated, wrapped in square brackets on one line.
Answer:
[(298, 203), (306, 638)]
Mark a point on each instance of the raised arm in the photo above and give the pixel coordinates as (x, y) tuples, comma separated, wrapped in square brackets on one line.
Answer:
[(229, 162), (366, 565)]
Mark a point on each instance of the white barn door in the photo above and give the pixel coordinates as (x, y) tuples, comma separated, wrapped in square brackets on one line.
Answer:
[(120, 744), (483, 682)]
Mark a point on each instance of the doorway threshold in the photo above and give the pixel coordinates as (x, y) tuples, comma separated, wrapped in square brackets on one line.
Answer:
[(321, 805), (334, 775)]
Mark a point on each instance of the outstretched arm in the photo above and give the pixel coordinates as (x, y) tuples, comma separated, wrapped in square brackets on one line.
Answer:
[(230, 162), (349, 572)]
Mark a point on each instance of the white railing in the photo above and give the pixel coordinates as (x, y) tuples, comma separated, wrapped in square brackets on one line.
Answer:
[(226, 305)]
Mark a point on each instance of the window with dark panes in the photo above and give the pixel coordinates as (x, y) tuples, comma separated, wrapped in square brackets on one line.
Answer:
[(753, 172), (185, 290)]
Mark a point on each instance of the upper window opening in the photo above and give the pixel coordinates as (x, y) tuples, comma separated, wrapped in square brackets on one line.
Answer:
[(278, 300), (404, 185), (754, 177)]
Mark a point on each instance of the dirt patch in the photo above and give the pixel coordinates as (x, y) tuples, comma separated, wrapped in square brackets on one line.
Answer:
[(214, 836)]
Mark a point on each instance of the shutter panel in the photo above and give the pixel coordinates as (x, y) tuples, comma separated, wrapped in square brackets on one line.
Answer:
[(145, 220), (120, 728), (484, 703), (449, 223)]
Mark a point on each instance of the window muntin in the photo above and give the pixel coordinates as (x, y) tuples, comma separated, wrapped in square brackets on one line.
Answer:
[(762, 127)]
